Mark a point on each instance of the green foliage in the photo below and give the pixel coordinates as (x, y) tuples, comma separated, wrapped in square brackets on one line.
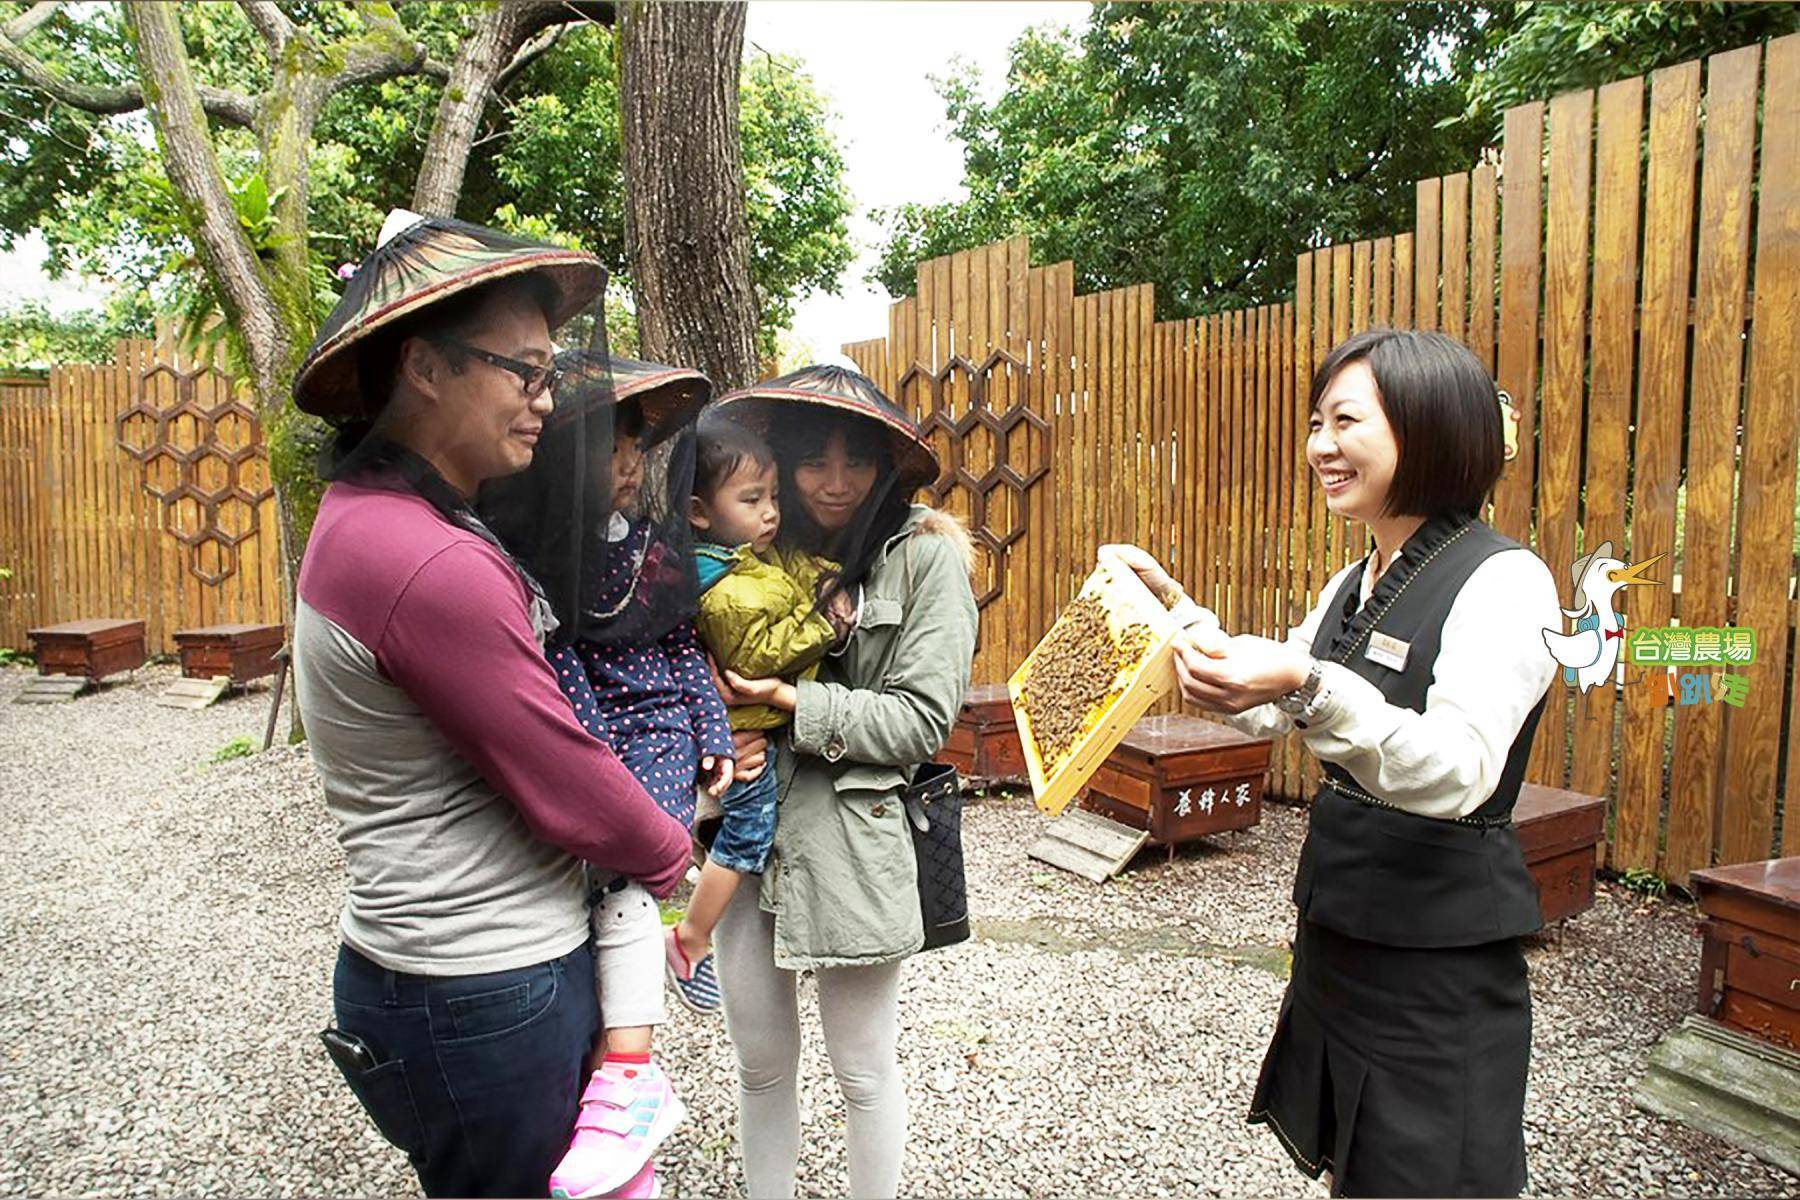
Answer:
[(1561, 47), (558, 173), (238, 747), (795, 201), (547, 162), (1647, 884), (1201, 147), (32, 338)]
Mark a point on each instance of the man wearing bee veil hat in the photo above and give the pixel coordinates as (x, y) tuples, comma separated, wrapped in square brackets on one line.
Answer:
[(466, 795)]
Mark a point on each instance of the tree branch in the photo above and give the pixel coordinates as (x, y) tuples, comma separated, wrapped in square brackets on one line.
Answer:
[(233, 108), (529, 53), (496, 44), (270, 22), (27, 22), (192, 164), (384, 51)]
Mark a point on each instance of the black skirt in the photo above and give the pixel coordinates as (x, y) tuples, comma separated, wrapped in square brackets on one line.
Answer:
[(1401, 1071)]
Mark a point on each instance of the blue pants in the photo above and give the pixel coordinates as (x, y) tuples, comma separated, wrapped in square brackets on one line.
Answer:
[(747, 827), (476, 1077)]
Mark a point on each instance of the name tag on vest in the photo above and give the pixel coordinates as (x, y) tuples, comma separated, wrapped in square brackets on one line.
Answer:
[(1390, 652)]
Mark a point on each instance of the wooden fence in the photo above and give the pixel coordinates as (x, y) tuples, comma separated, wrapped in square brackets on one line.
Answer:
[(1630, 270), (136, 488)]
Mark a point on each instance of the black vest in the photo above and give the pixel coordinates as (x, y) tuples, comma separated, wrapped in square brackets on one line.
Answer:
[(1375, 872)]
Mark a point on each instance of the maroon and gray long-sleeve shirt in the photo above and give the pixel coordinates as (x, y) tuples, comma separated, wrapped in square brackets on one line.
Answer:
[(465, 791)]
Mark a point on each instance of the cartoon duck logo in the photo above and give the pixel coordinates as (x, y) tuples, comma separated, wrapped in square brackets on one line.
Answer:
[(1590, 652)]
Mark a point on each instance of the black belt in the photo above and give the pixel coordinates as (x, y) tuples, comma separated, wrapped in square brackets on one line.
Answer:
[(1351, 792)]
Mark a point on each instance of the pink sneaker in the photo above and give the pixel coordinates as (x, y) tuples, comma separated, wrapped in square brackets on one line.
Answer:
[(643, 1186), (626, 1112)]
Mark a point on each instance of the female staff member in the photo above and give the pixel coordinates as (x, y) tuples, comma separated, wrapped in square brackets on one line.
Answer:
[(840, 894), (1399, 1057)]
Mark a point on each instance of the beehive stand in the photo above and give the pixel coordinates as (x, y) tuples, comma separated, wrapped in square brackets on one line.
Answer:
[(1750, 949), (984, 742), (94, 648), (1127, 602), (1558, 832), (1181, 777)]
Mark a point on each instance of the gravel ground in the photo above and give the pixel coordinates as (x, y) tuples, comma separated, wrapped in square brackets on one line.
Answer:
[(169, 927)]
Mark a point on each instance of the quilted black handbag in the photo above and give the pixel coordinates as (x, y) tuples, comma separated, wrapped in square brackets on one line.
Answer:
[(934, 811)]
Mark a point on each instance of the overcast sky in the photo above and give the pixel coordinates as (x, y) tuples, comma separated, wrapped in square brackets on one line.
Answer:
[(873, 61)]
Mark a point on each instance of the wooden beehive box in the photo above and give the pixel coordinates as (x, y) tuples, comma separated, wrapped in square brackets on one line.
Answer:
[(1750, 953), (984, 743), (1182, 777), (1558, 831), (1123, 677), (94, 648), (238, 652)]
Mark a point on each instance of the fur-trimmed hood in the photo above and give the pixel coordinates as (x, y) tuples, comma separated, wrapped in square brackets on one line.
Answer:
[(938, 523)]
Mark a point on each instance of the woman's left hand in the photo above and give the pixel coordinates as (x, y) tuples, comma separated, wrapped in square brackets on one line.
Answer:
[(776, 693), (1245, 672)]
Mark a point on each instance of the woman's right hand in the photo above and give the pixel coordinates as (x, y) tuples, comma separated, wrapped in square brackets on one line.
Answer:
[(752, 754), (1162, 585), (1199, 622)]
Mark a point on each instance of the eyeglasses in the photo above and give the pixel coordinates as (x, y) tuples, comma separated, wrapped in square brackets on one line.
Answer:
[(534, 379)]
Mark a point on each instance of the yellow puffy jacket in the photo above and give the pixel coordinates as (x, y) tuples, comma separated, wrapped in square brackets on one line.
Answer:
[(758, 617)]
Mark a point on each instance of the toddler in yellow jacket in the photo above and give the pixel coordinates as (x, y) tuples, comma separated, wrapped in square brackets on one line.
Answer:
[(760, 616)]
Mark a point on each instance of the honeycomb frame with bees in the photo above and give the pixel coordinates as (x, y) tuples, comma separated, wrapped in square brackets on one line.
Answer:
[(1106, 660)]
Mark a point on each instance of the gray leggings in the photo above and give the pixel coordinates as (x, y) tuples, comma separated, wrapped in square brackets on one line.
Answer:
[(859, 1008)]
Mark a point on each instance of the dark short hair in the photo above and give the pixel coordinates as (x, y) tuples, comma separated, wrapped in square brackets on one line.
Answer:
[(806, 430), (458, 316), (722, 446), (809, 431), (1445, 413)]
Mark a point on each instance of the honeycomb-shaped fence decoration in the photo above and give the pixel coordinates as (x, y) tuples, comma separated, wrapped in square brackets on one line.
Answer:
[(202, 462), (980, 475)]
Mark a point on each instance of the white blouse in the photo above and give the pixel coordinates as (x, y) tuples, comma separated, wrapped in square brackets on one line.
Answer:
[(1492, 667)]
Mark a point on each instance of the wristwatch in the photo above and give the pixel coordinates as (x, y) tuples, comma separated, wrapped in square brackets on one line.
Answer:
[(1300, 701)]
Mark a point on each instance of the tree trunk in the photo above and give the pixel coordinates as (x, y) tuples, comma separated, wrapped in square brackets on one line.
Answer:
[(488, 49), (684, 187)]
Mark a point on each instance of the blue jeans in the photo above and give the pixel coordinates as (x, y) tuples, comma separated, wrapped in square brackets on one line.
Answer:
[(747, 827), (476, 1077)]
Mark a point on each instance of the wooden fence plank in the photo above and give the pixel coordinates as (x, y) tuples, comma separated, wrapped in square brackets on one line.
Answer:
[(23, 556), (1381, 306), (1714, 397), (40, 462), (1204, 581), (1264, 474), (1521, 266), (1565, 310), (13, 552), (1766, 504), (1062, 305), (1106, 395), (1038, 547), (1610, 333), (1455, 257), (1301, 501), (1362, 261), (1403, 281), (1139, 503), (1426, 232), (1341, 534), (1481, 264), (1326, 544)]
